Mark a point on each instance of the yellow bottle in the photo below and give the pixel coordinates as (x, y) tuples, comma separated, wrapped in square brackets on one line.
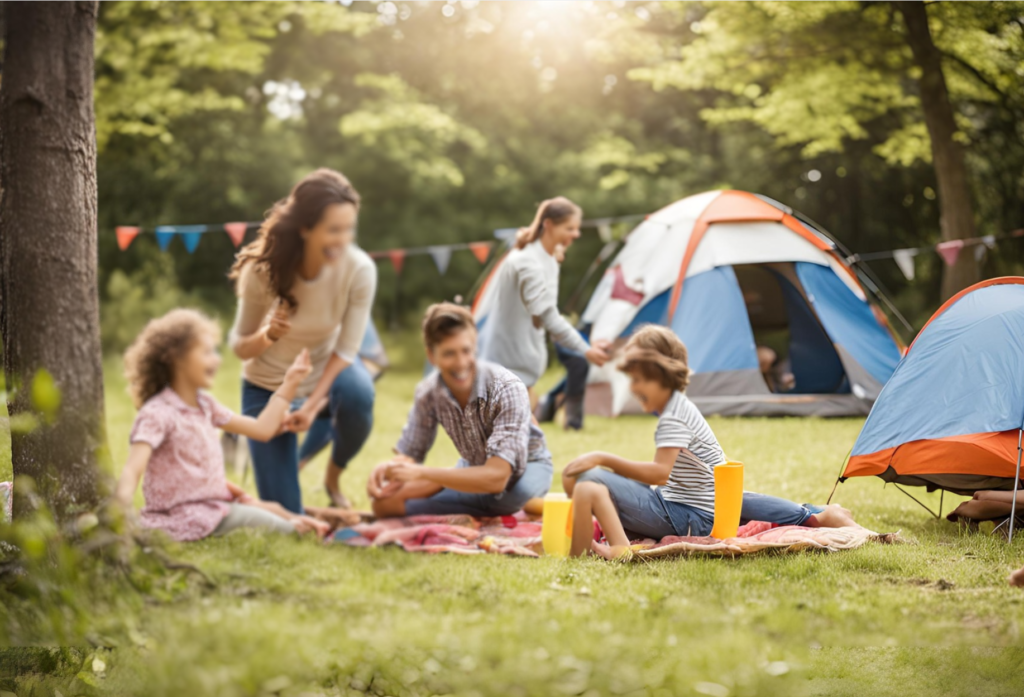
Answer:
[(728, 499), (556, 530)]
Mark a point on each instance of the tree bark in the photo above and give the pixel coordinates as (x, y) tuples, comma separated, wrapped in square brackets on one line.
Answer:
[(956, 213), (48, 246)]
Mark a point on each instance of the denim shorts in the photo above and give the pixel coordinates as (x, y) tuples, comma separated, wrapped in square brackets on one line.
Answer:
[(645, 513), (535, 483)]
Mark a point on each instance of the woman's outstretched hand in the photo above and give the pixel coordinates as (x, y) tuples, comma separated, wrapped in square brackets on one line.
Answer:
[(302, 418), (597, 356)]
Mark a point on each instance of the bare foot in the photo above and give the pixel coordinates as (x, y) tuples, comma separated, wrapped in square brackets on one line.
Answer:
[(337, 517), (338, 499), (835, 516), (305, 523), (609, 552), (1017, 578)]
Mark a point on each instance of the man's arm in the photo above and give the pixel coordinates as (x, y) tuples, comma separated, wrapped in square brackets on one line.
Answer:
[(489, 478)]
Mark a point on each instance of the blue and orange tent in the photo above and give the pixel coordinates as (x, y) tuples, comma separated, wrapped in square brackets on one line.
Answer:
[(951, 417)]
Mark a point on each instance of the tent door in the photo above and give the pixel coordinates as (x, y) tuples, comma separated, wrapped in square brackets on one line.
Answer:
[(796, 354)]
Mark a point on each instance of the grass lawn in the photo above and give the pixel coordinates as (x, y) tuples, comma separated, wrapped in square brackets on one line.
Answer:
[(932, 617)]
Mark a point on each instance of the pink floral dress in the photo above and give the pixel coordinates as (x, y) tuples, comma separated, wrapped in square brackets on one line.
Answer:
[(185, 488)]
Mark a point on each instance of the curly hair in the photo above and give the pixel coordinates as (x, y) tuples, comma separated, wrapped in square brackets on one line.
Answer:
[(276, 252), (149, 361), (657, 354)]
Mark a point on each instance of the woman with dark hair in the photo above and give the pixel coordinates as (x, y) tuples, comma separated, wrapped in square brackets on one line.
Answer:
[(526, 298), (303, 284)]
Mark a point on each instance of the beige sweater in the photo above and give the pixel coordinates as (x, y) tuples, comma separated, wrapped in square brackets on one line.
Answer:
[(333, 311)]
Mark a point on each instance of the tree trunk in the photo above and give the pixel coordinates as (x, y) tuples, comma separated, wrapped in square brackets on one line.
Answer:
[(48, 248), (956, 214)]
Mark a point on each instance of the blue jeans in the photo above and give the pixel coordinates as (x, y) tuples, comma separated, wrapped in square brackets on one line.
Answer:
[(535, 482), (347, 421), (644, 512), (772, 509)]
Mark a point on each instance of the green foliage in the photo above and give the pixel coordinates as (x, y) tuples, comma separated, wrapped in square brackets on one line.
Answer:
[(453, 125), (134, 299), (45, 394)]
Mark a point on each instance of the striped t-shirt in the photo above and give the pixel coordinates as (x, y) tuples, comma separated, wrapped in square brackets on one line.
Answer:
[(692, 480)]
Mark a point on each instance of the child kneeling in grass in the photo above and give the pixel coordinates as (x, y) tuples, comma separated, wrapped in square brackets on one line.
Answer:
[(675, 493), (174, 439)]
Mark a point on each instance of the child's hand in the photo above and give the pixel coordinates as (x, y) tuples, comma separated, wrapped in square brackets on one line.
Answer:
[(582, 464), (300, 369)]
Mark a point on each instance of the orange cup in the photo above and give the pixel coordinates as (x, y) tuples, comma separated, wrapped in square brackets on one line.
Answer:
[(728, 499)]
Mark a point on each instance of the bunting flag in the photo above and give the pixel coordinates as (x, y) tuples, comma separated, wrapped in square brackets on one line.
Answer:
[(481, 250), (125, 235), (604, 230), (950, 251), (397, 257), (506, 234), (442, 255), (191, 234), (905, 260), (164, 233), (236, 231)]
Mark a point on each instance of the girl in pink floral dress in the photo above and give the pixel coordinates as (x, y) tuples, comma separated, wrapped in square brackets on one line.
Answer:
[(175, 443)]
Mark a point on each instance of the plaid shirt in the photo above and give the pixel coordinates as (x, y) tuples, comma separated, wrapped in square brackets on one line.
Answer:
[(496, 422)]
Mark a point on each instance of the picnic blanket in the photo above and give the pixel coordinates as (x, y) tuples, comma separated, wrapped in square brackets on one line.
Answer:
[(520, 535), (516, 535), (756, 536)]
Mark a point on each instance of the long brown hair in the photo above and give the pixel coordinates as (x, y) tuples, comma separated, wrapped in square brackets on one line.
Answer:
[(149, 361), (277, 249), (556, 210)]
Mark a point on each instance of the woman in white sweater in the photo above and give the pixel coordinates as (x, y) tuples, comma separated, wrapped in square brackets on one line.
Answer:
[(525, 300), (304, 284)]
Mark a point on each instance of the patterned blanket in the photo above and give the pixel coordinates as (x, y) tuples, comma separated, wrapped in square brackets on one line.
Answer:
[(516, 535), (757, 537), (520, 535)]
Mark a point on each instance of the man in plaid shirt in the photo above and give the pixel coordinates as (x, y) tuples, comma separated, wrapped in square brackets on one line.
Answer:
[(485, 410)]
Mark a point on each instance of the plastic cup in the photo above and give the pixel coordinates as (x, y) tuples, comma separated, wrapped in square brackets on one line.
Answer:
[(728, 499), (556, 530)]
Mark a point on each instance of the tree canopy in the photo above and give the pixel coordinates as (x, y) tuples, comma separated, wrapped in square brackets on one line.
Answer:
[(456, 119)]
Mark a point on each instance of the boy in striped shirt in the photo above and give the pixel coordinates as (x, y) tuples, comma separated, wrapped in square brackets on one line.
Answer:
[(675, 493)]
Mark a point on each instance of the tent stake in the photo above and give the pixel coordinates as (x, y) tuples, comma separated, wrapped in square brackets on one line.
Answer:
[(1016, 485)]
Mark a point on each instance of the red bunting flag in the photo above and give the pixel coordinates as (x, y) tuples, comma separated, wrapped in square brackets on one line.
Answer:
[(125, 235), (950, 251), (236, 231), (397, 257), (481, 250)]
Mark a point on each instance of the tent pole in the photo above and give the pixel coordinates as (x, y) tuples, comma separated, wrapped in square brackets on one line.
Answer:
[(942, 497), (1016, 484), (915, 500)]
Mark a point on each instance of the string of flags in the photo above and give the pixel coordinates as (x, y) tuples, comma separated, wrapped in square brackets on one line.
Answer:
[(441, 253), (191, 235), (948, 250)]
